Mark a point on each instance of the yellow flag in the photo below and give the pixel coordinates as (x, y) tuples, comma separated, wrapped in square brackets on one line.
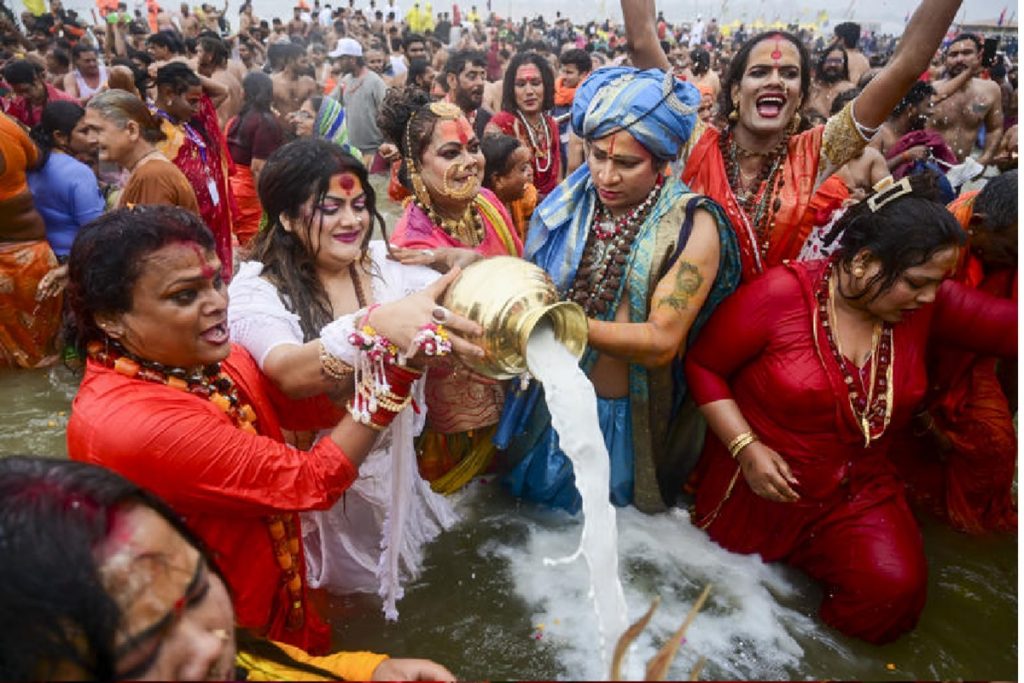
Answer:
[(36, 7)]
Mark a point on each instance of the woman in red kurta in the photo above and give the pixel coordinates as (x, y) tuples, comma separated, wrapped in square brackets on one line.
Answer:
[(157, 406), (809, 482)]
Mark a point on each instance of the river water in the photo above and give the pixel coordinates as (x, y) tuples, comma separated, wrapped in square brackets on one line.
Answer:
[(488, 607)]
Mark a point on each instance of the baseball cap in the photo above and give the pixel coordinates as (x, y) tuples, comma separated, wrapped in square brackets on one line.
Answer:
[(347, 47)]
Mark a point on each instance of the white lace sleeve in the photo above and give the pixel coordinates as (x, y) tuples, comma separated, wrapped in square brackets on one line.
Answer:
[(257, 318)]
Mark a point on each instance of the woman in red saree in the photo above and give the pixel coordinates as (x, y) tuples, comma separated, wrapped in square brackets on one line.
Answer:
[(960, 457), (170, 404), (195, 144), (763, 169), (451, 221), (804, 403), (528, 93)]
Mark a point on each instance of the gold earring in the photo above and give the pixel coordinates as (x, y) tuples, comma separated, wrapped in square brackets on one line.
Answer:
[(858, 271), (734, 115)]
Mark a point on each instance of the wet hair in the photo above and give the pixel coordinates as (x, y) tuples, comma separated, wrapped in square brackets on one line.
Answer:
[(508, 87), (903, 233), (819, 67), (214, 46), (701, 60), (80, 49), (417, 67), (58, 117), (293, 174), (997, 201), (54, 610), (395, 112), (22, 72), (280, 54), (918, 93), (458, 60), (108, 257), (840, 101), (498, 151), (167, 40), (578, 58), (258, 90), (121, 107), (849, 33), (177, 76), (960, 37), (738, 64)]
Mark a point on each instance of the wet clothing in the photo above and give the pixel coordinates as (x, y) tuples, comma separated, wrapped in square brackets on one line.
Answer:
[(851, 528)]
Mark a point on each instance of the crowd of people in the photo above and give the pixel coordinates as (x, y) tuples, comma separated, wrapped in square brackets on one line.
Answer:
[(796, 254)]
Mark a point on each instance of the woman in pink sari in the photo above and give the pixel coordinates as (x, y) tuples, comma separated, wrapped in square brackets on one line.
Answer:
[(451, 220)]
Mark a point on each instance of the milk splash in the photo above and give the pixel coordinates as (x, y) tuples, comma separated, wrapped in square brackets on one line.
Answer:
[(573, 406)]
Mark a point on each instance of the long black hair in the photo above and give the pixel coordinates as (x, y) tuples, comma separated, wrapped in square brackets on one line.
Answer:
[(902, 233), (58, 117), (508, 86), (738, 65), (107, 258), (295, 172)]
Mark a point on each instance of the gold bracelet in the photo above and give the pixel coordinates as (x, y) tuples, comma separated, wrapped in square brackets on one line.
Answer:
[(334, 367), (741, 442)]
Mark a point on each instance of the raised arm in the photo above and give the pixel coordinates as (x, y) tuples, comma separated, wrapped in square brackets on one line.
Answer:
[(993, 125), (677, 299), (641, 36), (921, 38)]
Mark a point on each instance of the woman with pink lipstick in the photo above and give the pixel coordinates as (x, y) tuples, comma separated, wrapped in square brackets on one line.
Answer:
[(314, 275), (528, 93), (169, 403), (765, 167), (451, 221)]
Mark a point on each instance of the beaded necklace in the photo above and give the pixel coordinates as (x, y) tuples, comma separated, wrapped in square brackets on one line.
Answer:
[(469, 229), (540, 154), (216, 387), (759, 206), (871, 401), (606, 254)]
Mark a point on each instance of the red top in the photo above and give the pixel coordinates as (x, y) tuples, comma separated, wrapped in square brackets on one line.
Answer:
[(222, 480), (545, 181), (31, 114), (792, 393)]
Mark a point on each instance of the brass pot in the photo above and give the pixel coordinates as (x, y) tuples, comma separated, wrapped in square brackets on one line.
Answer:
[(508, 296)]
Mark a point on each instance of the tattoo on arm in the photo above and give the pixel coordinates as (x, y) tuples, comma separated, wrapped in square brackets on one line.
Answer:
[(688, 281)]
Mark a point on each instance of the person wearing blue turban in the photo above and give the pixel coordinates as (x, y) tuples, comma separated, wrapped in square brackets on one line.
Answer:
[(648, 261)]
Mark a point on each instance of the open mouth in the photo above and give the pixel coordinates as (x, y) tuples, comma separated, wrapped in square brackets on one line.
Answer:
[(770, 106), (216, 335)]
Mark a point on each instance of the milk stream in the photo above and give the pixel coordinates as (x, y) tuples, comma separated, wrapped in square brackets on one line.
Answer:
[(573, 407)]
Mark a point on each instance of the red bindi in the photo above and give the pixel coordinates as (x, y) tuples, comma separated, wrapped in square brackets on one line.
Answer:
[(464, 131), (347, 182)]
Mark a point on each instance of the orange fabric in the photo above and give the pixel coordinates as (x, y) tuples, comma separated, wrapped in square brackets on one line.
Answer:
[(563, 94), (522, 209), (27, 327), (223, 481), (705, 173), (19, 154), (247, 219), (158, 182)]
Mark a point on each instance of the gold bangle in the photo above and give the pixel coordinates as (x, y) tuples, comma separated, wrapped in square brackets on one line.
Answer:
[(741, 442), (334, 367)]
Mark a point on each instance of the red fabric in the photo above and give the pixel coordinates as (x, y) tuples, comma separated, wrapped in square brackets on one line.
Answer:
[(223, 481), (510, 125), (30, 114), (970, 485), (705, 173), (792, 394)]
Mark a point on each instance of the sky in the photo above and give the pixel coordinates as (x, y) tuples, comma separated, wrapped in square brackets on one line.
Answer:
[(890, 13)]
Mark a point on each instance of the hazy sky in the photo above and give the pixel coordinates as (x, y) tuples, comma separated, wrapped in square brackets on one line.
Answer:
[(890, 13)]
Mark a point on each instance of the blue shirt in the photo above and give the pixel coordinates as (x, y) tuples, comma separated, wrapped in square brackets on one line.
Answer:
[(67, 196)]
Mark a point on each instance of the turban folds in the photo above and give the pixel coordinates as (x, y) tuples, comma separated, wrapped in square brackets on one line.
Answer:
[(656, 108)]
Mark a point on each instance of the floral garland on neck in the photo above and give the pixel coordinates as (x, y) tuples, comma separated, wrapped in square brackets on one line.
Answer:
[(212, 384)]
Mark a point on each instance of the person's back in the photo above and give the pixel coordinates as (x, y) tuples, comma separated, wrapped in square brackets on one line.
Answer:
[(67, 196), (362, 95)]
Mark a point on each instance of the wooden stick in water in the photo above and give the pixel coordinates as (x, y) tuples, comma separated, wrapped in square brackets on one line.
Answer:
[(627, 638), (657, 668)]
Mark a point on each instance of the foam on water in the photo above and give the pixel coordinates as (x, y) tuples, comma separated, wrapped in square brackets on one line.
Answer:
[(744, 630), (573, 407)]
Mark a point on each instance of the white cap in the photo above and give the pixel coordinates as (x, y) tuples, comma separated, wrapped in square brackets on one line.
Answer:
[(347, 47)]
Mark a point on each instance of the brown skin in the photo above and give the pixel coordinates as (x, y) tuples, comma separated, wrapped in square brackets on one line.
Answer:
[(823, 92), (291, 88), (218, 73), (88, 66), (863, 172), (961, 111)]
